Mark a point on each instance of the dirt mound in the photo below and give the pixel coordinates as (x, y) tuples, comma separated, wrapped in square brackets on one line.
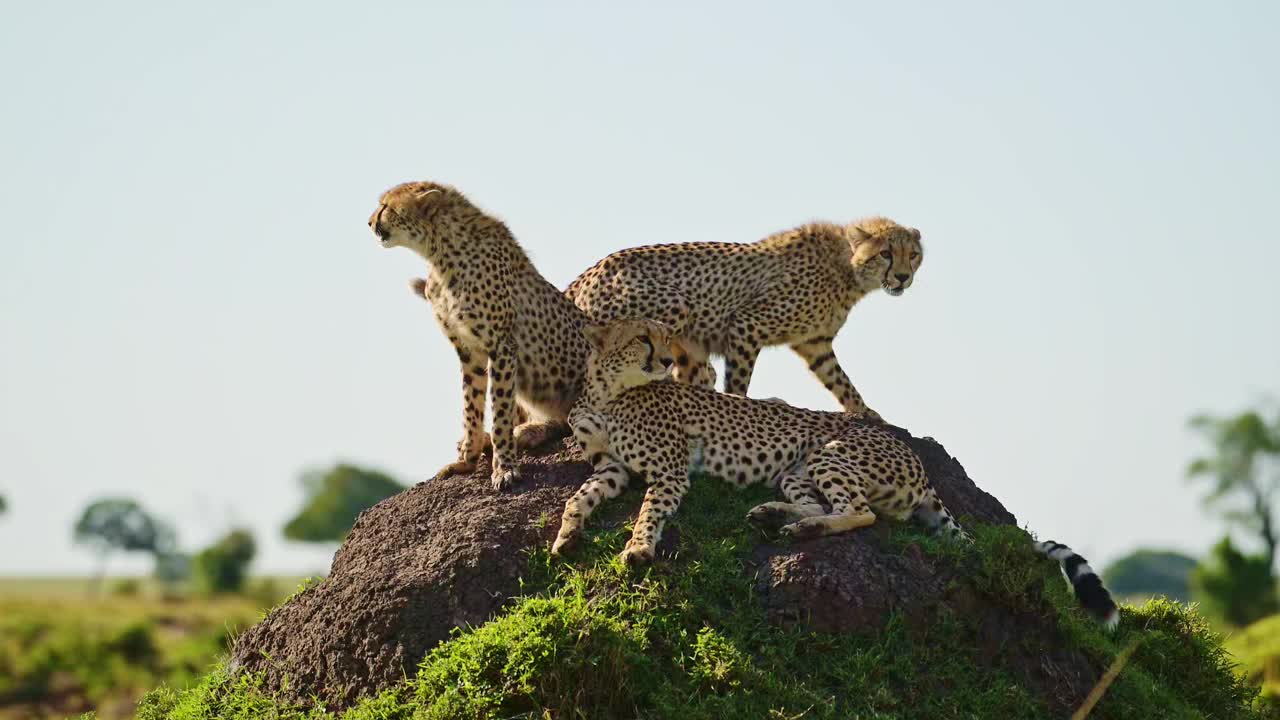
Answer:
[(445, 553), (448, 553)]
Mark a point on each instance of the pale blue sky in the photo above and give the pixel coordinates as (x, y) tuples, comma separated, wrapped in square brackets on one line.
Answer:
[(193, 310)]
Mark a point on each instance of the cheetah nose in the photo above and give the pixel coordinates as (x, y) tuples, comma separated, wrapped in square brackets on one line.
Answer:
[(902, 277), (666, 362)]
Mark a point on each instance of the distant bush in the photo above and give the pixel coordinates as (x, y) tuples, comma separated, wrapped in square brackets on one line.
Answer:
[(95, 660), (1151, 572), (126, 587), (1235, 587), (334, 499), (224, 566)]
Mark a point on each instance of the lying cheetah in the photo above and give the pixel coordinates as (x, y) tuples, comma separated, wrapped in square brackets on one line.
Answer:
[(515, 334), (793, 288), (630, 420)]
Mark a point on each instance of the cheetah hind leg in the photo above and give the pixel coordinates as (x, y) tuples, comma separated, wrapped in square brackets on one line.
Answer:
[(934, 515), (803, 500), (844, 486)]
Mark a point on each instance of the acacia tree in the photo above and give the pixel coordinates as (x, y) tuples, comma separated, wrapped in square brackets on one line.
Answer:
[(1243, 471), (119, 524)]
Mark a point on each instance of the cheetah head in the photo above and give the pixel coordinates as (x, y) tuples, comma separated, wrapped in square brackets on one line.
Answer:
[(405, 212), (626, 353), (885, 254)]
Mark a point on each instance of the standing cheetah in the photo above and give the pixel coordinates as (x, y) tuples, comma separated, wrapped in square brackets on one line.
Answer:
[(793, 288), (630, 421), (515, 333)]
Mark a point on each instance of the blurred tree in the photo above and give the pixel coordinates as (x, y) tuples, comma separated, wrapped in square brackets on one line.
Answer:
[(1151, 572), (1234, 586), (334, 499), (224, 565), (3, 507), (171, 569), (118, 524), (1245, 464)]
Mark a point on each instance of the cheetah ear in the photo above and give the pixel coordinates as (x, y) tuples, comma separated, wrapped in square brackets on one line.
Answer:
[(421, 195), (857, 235), (596, 335), (914, 233)]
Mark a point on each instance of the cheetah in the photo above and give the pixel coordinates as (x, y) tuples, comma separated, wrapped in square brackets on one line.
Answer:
[(515, 334), (632, 420), (792, 288)]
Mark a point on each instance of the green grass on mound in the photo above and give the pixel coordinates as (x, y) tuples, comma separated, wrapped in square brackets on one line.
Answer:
[(687, 639)]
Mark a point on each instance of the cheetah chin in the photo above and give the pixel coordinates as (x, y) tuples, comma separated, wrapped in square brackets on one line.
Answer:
[(894, 291)]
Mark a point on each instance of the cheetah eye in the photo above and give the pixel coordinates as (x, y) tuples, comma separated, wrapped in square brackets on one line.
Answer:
[(914, 255), (886, 255)]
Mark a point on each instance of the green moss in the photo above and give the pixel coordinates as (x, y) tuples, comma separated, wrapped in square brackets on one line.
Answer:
[(687, 638)]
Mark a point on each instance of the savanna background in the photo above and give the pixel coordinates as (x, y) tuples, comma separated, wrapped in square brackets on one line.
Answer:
[(208, 366)]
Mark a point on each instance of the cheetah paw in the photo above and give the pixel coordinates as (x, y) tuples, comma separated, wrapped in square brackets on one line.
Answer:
[(869, 414), (504, 479), (802, 530), (768, 516), (564, 542), (457, 467), (636, 555)]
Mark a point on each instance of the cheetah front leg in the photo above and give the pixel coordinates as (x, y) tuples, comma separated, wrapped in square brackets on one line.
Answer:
[(692, 365), (502, 387), (608, 481), (661, 501), (474, 383), (821, 358)]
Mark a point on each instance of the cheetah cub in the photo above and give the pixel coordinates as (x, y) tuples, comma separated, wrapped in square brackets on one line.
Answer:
[(631, 421), (515, 334), (792, 288)]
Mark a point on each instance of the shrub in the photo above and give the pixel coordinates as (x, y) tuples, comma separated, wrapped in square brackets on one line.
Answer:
[(223, 566), (1238, 588)]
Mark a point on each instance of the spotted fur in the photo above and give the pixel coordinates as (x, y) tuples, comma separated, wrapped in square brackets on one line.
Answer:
[(632, 421), (793, 288), (515, 334)]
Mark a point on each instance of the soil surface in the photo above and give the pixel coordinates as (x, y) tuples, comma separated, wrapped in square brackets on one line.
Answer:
[(449, 553)]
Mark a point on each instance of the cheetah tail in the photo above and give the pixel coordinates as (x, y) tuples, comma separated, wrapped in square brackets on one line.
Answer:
[(419, 287), (1092, 594)]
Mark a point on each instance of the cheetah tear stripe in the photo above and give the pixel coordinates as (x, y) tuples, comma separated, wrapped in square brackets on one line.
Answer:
[(1091, 593)]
